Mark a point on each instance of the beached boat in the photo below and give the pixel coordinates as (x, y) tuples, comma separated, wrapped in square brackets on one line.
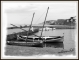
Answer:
[(45, 39), (24, 43), (37, 40)]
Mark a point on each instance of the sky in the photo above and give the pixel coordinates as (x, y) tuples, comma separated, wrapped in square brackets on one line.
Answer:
[(22, 12)]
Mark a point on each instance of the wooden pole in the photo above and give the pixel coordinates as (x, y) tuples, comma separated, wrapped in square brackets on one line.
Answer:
[(44, 21), (30, 25)]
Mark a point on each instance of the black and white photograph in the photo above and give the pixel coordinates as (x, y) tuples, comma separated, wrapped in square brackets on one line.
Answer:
[(39, 29)]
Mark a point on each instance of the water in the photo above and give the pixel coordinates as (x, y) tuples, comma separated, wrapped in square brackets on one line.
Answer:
[(69, 37)]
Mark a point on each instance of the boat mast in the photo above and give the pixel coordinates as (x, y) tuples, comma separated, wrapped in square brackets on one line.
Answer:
[(30, 25), (24, 29), (44, 21)]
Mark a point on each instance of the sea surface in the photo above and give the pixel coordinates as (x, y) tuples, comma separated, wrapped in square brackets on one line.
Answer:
[(69, 41), (69, 36)]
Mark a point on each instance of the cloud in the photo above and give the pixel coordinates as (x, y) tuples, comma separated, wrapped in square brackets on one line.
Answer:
[(22, 9)]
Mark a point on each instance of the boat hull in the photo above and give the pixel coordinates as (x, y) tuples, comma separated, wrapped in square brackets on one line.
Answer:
[(54, 40), (20, 43), (44, 39)]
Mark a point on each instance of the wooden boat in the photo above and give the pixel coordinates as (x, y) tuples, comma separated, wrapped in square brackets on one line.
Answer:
[(24, 43), (43, 38), (36, 39)]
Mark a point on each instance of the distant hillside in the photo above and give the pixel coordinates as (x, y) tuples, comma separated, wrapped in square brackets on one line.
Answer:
[(71, 21)]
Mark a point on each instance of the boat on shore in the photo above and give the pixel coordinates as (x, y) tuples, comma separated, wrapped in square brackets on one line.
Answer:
[(44, 39), (24, 43), (35, 40)]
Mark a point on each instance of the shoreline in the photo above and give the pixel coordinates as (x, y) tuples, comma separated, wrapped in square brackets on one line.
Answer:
[(50, 26)]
